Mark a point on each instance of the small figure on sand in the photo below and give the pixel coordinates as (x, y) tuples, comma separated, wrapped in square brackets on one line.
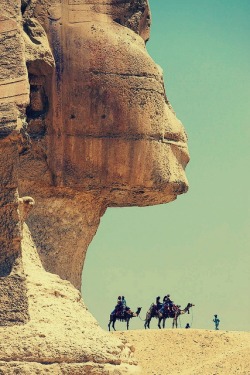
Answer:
[(216, 321), (187, 326)]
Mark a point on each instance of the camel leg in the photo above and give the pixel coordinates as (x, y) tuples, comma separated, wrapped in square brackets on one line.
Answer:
[(113, 325), (159, 323), (174, 322), (127, 324), (110, 321), (164, 320), (147, 323)]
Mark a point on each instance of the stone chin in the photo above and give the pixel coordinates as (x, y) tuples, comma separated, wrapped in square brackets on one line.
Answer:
[(127, 172)]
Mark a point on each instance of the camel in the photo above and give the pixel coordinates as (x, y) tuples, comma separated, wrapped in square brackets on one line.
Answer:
[(172, 314), (154, 313), (151, 313), (128, 314)]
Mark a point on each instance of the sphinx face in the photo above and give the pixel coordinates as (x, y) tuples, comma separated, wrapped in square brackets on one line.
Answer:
[(109, 124)]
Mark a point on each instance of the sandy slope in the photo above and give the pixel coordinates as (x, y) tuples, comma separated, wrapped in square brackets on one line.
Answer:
[(190, 352)]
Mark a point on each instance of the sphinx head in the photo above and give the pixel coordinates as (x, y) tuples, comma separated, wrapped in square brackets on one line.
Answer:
[(108, 124)]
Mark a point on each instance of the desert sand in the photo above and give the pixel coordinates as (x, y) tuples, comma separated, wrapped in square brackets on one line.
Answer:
[(190, 351)]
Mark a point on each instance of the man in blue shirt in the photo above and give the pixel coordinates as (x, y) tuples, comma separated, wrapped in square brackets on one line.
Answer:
[(216, 321)]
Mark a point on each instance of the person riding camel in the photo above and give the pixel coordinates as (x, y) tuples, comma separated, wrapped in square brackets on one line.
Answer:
[(168, 304), (118, 307), (167, 300), (124, 304), (158, 304)]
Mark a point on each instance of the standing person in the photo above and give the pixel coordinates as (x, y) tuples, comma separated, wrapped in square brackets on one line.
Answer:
[(187, 326), (216, 321)]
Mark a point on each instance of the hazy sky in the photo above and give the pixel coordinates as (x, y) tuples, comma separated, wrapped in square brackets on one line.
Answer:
[(196, 248)]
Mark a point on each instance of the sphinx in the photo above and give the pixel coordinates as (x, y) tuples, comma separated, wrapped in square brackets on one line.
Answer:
[(86, 125)]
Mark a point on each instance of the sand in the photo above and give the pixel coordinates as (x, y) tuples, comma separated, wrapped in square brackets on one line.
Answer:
[(190, 351)]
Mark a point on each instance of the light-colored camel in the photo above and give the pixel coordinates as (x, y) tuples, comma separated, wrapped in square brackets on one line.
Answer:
[(151, 313)]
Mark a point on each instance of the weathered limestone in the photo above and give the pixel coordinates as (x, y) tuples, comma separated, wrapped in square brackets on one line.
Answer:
[(96, 120), (85, 125), (61, 334), (14, 97)]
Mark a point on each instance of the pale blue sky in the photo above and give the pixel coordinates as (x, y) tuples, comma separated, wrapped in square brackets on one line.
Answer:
[(196, 248)]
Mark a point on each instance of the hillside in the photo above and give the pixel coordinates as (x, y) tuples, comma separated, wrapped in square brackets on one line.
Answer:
[(190, 352)]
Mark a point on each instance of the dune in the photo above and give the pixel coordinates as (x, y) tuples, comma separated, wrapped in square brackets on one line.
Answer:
[(190, 351)]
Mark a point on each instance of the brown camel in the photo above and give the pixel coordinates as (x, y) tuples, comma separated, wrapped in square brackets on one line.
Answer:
[(162, 316)]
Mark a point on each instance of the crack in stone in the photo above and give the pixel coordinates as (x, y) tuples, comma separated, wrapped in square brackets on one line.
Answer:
[(141, 75), (132, 137)]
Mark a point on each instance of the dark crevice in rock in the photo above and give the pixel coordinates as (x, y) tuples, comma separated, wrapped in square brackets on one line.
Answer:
[(6, 266), (24, 5), (141, 75), (37, 109)]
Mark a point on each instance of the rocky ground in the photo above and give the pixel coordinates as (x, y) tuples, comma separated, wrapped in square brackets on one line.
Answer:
[(190, 352)]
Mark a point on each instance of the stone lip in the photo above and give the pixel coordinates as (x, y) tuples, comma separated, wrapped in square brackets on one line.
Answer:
[(61, 330)]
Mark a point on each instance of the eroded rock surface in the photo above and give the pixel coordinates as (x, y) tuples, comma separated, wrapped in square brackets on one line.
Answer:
[(61, 334), (14, 97), (85, 125), (95, 120)]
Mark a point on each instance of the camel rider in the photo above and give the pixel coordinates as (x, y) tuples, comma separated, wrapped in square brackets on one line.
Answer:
[(124, 304), (168, 303), (158, 304), (167, 300), (118, 306)]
